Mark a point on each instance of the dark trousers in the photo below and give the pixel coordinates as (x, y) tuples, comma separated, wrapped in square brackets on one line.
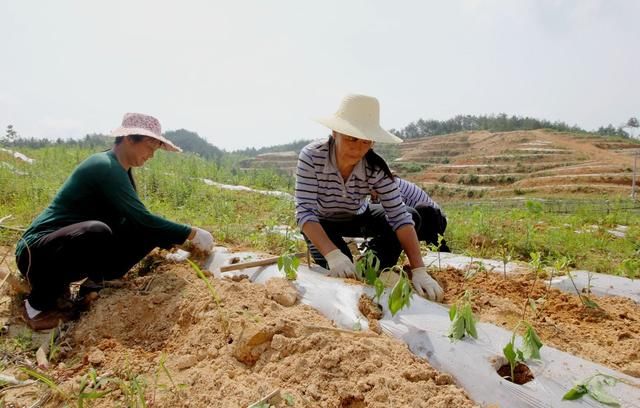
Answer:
[(432, 223), (371, 224), (89, 249)]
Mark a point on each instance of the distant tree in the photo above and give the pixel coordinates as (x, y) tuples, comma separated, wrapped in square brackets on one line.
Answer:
[(633, 124), (10, 135)]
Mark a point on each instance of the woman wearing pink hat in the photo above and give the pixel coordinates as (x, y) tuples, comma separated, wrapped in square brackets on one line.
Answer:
[(334, 178), (96, 227)]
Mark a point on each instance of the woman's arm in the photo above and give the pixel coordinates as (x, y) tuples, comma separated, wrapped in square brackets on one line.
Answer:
[(409, 242), (318, 236)]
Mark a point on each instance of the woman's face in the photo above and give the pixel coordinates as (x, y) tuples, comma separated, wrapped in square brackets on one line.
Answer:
[(350, 150), (143, 150)]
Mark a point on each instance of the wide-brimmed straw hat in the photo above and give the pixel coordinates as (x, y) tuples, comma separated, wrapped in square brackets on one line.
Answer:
[(145, 125), (359, 116)]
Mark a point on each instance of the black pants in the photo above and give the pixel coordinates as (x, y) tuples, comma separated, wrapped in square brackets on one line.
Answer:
[(86, 249), (371, 224), (429, 222), (432, 224)]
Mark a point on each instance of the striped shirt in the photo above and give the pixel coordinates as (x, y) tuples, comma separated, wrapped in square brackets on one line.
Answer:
[(322, 194), (413, 195)]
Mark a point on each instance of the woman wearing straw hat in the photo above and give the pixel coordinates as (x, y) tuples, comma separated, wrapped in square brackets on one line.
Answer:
[(333, 180), (96, 227)]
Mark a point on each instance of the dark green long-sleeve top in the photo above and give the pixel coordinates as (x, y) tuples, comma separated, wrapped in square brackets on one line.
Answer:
[(100, 189)]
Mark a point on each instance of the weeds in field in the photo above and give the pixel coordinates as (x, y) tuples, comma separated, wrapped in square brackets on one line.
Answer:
[(54, 347), (630, 267), (174, 388), (48, 381), (594, 386), (288, 263), (91, 387), (133, 389), (462, 319), (506, 255)]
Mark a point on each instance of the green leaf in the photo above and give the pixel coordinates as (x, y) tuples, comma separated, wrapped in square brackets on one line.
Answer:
[(280, 263), (590, 303), (509, 353), (452, 311), (531, 343), (597, 391), (532, 304), (379, 288), (469, 321), (456, 330), (575, 393)]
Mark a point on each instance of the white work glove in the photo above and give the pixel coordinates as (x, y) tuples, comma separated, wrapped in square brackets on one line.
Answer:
[(340, 265), (425, 285), (203, 240)]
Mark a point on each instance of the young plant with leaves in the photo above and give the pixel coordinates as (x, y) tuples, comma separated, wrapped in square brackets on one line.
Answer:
[(594, 386), (436, 248), (462, 319), (506, 255), (531, 345), (288, 263), (400, 296), (586, 300), (367, 268)]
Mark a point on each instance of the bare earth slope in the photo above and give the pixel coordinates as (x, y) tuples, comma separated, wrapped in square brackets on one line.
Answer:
[(537, 162)]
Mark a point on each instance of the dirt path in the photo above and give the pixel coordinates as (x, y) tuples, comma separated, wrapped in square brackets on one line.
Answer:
[(609, 335)]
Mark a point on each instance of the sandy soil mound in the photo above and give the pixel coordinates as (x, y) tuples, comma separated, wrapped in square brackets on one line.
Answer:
[(164, 337)]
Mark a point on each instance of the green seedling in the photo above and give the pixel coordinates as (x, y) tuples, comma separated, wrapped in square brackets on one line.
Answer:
[(586, 301), (594, 386), (436, 248), (531, 345), (367, 268), (506, 255), (462, 319), (400, 296), (288, 263)]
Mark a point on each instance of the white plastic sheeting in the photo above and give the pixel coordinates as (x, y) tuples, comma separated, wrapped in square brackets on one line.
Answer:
[(601, 284), (245, 188), (17, 155), (424, 326)]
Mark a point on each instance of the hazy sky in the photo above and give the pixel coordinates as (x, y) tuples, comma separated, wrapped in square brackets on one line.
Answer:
[(254, 73)]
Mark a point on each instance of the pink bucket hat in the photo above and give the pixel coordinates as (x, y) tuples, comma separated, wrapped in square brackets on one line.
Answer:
[(140, 124)]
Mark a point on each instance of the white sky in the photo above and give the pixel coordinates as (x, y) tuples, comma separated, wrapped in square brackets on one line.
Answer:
[(254, 73)]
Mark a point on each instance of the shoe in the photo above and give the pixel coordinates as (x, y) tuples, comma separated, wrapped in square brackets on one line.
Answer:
[(47, 319)]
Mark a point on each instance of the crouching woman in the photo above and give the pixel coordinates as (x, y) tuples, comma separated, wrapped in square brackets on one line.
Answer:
[(96, 227), (334, 178)]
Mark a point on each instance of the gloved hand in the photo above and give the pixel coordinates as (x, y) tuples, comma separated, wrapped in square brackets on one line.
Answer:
[(425, 285), (203, 240), (340, 265)]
